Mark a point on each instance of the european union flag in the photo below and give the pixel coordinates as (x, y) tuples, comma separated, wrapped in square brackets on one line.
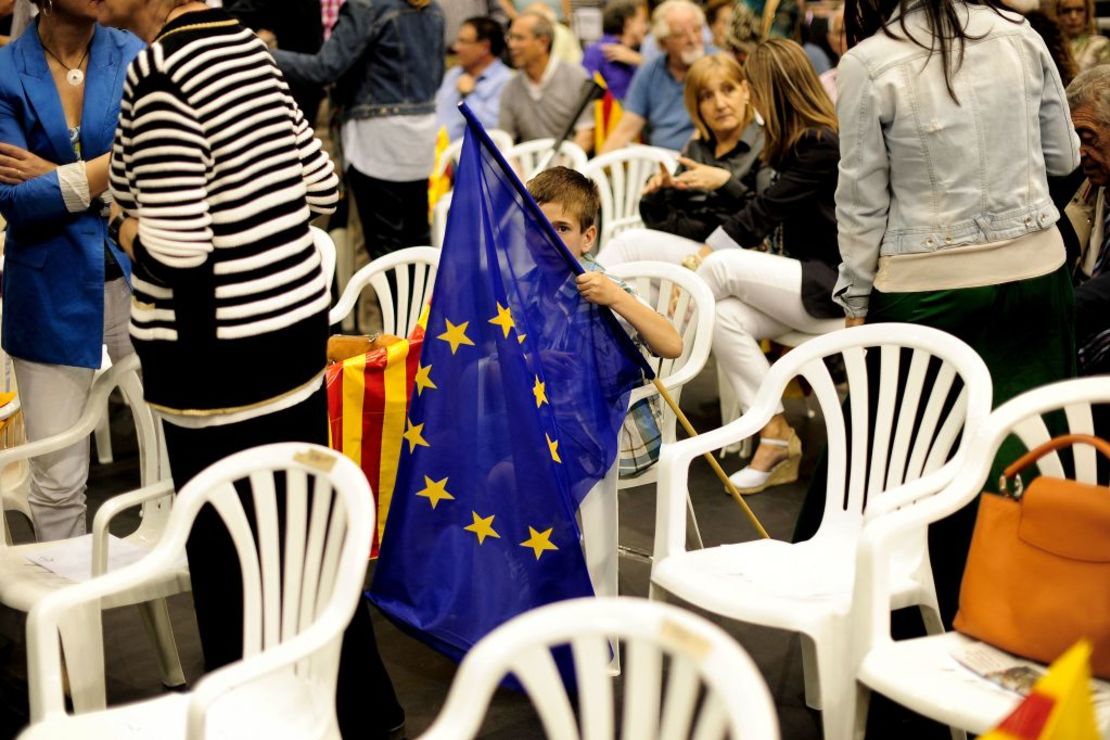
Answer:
[(521, 390)]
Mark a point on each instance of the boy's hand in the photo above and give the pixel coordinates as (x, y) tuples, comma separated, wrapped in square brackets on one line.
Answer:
[(598, 289)]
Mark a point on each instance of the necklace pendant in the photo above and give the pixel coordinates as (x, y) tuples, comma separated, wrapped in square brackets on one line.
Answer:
[(75, 77)]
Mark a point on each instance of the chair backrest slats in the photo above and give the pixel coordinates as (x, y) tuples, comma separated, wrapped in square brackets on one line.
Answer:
[(535, 668), (906, 415), (225, 500), (1080, 421), (925, 435), (680, 700), (945, 440), (890, 357), (817, 375), (642, 689), (267, 536), (314, 551), (333, 545), (296, 506), (859, 401), (712, 720), (595, 690)]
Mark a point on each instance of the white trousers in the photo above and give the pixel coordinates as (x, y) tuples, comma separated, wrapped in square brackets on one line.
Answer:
[(759, 296), (635, 245), (52, 398)]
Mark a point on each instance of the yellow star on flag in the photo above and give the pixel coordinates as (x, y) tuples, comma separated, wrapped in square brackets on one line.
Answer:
[(504, 319), (456, 335), (540, 392), (520, 338), (553, 446), (414, 436), (423, 379), (539, 541), (482, 527), (435, 491)]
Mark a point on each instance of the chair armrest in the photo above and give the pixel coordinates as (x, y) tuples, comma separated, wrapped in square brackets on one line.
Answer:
[(113, 506), (911, 492), (90, 415), (351, 292), (9, 409), (220, 683)]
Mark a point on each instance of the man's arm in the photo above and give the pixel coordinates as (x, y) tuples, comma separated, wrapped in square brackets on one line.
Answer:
[(628, 129)]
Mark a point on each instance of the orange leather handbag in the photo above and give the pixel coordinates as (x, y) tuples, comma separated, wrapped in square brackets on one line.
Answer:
[(1038, 571)]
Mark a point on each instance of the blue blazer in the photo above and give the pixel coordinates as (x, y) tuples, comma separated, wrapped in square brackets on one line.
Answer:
[(53, 259)]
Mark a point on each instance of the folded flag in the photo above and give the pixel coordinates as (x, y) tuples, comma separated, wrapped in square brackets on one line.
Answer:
[(520, 391)]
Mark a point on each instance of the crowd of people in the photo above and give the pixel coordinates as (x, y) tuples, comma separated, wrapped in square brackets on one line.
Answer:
[(939, 162)]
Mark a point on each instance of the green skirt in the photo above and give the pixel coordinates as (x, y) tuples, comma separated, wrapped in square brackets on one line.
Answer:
[(1024, 331)]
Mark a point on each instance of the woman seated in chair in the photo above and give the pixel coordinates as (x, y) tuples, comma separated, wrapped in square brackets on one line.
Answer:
[(719, 171), (763, 293)]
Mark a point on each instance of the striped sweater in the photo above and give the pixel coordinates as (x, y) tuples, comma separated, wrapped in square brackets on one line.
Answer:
[(223, 172)]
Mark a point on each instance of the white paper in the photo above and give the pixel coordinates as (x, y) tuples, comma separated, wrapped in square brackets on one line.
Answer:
[(72, 558)]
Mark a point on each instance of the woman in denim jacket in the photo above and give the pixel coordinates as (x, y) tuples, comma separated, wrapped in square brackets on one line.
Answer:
[(952, 116), (386, 61)]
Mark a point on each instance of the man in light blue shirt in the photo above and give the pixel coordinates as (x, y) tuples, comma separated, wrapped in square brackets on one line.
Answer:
[(478, 79), (655, 98)]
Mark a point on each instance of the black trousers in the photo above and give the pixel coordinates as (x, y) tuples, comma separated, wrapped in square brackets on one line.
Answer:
[(366, 703), (394, 215)]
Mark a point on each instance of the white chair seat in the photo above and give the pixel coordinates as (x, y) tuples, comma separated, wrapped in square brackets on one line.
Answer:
[(950, 693), (23, 583), (235, 716)]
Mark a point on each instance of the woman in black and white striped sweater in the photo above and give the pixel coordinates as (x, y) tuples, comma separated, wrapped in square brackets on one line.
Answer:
[(216, 175)]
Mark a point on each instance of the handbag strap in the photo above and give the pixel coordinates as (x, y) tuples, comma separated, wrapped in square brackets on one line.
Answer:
[(1056, 443)]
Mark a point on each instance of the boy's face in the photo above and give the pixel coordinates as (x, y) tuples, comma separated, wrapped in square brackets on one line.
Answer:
[(569, 229)]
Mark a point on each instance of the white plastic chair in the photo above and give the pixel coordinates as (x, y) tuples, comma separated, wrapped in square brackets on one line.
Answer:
[(807, 587), (326, 247), (23, 584), (302, 582), (14, 477), (698, 654), (921, 673), (620, 176), (692, 318), (414, 273), (529, 158)]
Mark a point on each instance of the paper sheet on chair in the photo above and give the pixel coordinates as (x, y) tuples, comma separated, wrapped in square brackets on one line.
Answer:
[(72, 558)]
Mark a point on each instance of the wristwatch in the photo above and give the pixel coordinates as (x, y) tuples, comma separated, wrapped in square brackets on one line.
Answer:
[(114, 226)]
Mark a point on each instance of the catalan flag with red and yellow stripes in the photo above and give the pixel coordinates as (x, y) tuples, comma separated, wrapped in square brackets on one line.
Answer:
[(607, 114), (1059, 707), (368, 401)]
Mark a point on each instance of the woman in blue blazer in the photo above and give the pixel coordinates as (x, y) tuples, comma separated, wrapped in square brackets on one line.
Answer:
[(65, 282)]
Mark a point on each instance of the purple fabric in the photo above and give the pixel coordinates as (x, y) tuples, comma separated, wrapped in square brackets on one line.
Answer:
[(617, 75)]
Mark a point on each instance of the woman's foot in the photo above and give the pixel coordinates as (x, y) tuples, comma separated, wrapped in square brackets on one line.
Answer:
[(776, 461)]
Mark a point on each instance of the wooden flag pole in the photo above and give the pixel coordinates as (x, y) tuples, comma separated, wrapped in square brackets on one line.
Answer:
[(711, 460)]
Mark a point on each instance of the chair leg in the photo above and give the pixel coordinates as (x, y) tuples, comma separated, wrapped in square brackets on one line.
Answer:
[(830, 678), (692, 519), (83, 647), (103, 436), (159, 628), (599, 538)]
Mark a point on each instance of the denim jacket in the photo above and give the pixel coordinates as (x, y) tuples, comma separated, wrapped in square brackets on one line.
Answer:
[(384, 56), (920, 172)]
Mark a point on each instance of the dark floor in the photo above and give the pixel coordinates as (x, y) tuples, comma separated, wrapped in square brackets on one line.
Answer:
[(422, 677)]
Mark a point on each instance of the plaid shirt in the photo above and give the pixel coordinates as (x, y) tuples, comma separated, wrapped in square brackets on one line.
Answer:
[(329, 13)]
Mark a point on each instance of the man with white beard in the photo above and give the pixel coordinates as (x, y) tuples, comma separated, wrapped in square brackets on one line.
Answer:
[(654, 99)]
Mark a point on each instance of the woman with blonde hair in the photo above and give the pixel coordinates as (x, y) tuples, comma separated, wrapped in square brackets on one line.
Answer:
[(718, 172), (772, 265), (1088, 46)]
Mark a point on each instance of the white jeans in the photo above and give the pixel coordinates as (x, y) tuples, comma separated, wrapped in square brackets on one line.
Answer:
[(52, 398), (634, 245), (759, 296)]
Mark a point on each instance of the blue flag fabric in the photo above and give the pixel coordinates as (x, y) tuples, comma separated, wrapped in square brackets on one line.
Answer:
[(520, 393)]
